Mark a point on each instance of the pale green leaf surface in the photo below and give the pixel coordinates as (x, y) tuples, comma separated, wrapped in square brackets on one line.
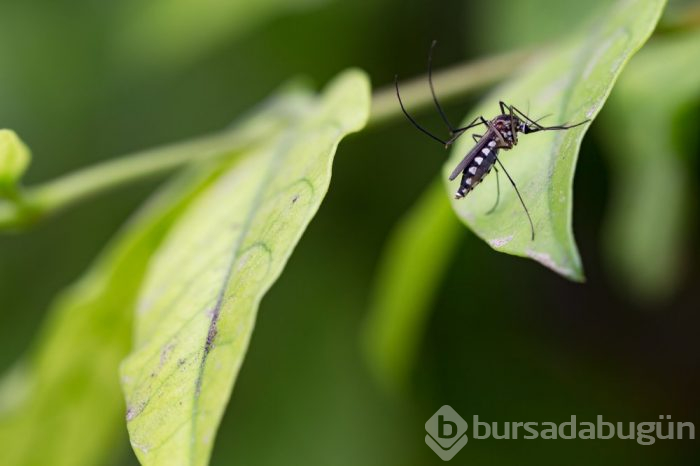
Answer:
[(62, 405), (198, 305), (417, 254), (571, 82), (649, 138)]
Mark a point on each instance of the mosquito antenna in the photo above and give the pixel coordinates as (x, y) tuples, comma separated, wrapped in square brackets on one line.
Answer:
[(542, 117), (410, 118), (532, 226), (545, 128), (432, 89), (565, 126), (527, 118), (514, 109)]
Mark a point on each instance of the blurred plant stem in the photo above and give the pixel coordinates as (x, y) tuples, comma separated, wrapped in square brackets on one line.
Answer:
[(38, 202), (450, 84)]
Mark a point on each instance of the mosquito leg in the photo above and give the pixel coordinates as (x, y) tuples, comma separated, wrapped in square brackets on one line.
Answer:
[(475, 122), (498, 193), (410, 118), (459, 131), (454, 137), (452, 129), (477, 137), (527, 212)]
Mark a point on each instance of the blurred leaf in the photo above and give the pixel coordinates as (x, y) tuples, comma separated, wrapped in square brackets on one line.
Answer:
[(63, 406), (200, 298), (14, 160), (73, 370), (175, 32), (522, 24), (570, 82), (679, 15), (649, 137), (410, 270)]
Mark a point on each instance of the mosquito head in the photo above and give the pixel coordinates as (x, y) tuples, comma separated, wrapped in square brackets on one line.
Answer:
[(526, 128), (520, 125)]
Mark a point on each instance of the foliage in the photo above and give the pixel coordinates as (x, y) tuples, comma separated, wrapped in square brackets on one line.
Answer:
[(71, 374), (406, 282), (198, 304), (167, 310), (650, 140), (569, 83)]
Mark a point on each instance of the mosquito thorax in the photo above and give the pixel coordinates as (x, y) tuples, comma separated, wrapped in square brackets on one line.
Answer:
[(506, 125)]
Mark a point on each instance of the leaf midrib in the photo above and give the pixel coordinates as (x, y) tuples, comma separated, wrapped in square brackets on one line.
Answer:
[(216, 312)]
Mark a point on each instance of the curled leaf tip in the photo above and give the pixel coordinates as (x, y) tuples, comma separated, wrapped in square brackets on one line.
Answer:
[(14, 160)]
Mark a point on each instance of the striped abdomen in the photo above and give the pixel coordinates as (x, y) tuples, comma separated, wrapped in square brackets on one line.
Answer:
[(479, 165)]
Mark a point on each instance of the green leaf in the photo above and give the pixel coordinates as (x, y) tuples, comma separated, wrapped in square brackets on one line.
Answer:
[(409, 275), (14, 160), (48, 403), (198, 306), (649, 136), (570, 82), (72, 372)]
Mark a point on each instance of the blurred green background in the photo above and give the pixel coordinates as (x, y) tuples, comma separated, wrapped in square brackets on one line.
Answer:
[(83, 81)]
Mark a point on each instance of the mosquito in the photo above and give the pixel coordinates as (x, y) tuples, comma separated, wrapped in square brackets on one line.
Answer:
[(501, 132)]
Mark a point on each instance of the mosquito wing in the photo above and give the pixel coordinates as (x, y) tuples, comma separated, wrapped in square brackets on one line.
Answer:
[(467, 160)]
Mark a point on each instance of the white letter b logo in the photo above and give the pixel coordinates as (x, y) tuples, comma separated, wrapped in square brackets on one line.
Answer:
[(446, 433)]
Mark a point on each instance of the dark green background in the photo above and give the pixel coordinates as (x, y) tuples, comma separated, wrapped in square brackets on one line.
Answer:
[(507, 340)]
